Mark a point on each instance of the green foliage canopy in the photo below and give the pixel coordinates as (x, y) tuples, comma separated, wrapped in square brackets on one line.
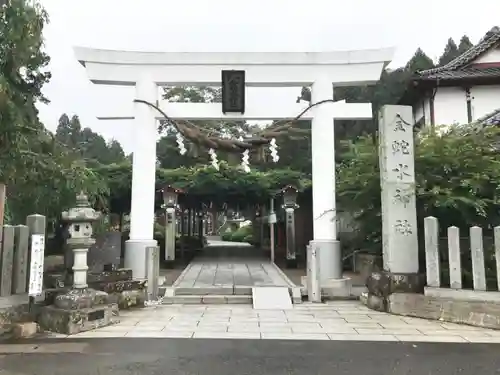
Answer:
[(203, 184)]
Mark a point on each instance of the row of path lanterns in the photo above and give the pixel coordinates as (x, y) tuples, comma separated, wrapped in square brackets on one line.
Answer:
[(289, 194)]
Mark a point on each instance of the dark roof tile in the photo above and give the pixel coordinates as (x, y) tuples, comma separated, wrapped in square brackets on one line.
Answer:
[(462, 74), (492, 118), (491, 39)]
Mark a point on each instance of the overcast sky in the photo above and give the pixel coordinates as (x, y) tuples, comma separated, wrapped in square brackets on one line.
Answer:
[(236, 25)]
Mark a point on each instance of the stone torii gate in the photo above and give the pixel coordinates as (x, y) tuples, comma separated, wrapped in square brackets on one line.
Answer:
[(321, 70)]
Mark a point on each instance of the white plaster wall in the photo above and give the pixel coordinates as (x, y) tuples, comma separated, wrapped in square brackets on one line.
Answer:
[(491, 56), (485, 99), (450, 106)]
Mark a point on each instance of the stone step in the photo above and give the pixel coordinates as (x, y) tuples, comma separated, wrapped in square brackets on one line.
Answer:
[(208, 299), (214, 290), (226, 291), (171, 297)]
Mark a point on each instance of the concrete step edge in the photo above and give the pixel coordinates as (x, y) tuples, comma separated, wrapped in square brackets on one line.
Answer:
[(213, 299)]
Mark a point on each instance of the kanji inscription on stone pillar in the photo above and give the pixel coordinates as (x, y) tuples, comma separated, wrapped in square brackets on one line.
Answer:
[(397, 179)]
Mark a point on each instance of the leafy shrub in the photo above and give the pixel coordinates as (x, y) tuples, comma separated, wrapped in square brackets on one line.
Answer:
[(242, 232), (457, 170), (249, 239), (226, 236)]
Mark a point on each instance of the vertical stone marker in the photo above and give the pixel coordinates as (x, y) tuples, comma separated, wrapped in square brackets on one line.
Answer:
[(397, 179), (399, 217), (20, 277), (6, 260)]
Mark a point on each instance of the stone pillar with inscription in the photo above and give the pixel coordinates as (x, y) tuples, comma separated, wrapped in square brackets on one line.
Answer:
[(399, 218)]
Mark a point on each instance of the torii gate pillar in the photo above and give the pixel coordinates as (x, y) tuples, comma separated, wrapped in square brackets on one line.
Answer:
[(323, 181)]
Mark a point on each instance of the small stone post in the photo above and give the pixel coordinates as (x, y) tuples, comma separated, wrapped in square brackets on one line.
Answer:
[(272, 221), (7, 260), (432, 260), (454, 258), (313, 276), (497, 253), (477, 255), (290, 204), (170, 195), (80, 221), (153, 268), (21, 256)]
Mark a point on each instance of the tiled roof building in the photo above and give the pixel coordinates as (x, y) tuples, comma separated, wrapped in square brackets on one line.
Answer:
[(464, 90)]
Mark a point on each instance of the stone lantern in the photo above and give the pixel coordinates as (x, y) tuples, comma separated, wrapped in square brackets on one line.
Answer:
[(80, 220), (170, 197), (78, 308), (290, 193)]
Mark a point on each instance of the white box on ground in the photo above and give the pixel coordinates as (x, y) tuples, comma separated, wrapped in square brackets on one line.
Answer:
[(271, 298)]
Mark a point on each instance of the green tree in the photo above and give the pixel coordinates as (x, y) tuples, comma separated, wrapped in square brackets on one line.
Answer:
[(22, 75), (41, 175), (419, 61), (115, 152), (69, 131), (464, 45), (86, 143), (450, 53)]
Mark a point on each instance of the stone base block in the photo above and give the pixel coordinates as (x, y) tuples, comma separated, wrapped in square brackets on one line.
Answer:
[(474, 313), (70, 322), (24, 330), (332, 288), (335, 288), (129, 298), (330, 258), (75, 299), (123, 274), (118, 286), (296, 294), (136, 256), (375, 302), (382, 284), (60, 280)]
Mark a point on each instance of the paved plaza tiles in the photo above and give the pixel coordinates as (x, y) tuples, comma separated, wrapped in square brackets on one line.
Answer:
[(338, 320)]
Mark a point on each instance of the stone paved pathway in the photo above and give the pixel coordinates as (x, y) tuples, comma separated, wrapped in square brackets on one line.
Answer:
[(348, 321), (209, 273)]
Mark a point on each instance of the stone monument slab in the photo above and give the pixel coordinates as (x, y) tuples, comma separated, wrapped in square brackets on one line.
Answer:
[(105, 252)]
